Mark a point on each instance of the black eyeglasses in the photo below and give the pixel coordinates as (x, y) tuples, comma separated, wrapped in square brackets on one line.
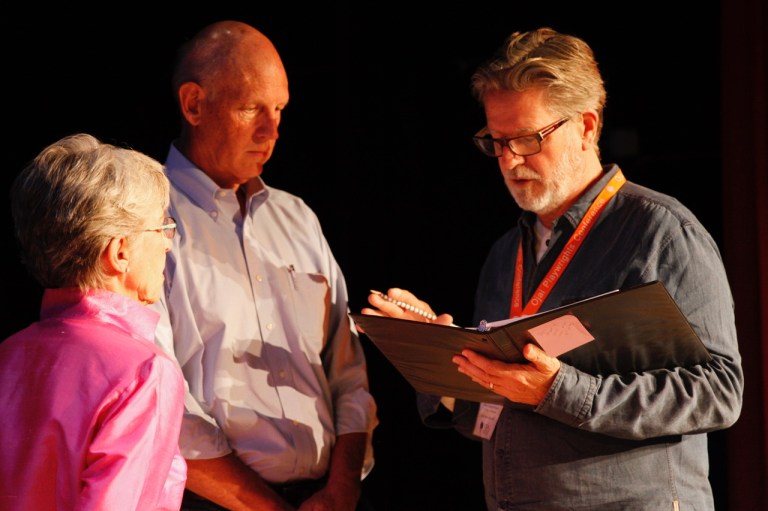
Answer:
[(168, 228), (524, 145)]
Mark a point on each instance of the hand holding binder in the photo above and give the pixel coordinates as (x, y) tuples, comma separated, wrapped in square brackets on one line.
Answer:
[(633, 330)]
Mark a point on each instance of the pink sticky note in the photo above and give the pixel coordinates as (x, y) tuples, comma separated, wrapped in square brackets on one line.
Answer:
[(561, 334)]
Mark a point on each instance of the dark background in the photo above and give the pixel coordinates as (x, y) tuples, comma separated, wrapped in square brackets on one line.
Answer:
[(376, 139)]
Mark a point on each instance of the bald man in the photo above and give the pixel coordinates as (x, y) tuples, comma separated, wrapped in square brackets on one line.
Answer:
[(278, 413)]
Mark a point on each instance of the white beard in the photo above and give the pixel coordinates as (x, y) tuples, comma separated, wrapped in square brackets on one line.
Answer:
[(545, 197)]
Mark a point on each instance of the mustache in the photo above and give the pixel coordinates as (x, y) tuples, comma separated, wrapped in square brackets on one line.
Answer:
[(521, 172)]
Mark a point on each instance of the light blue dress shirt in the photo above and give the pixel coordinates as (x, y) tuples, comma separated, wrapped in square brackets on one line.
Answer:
[(256, 313)]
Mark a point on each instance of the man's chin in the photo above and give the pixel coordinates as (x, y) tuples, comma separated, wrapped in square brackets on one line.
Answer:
[(255, 168), (525, 201)]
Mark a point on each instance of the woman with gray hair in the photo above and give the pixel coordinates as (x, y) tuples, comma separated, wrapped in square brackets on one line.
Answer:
[(91, 406)]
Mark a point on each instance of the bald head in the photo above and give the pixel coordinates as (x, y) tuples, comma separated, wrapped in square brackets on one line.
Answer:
[(221, 49), (231, 89)]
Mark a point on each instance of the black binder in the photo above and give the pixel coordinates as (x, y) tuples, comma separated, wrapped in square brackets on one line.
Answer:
[(634, 330)]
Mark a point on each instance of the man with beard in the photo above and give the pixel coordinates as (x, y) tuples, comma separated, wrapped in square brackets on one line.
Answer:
[(565, 439)]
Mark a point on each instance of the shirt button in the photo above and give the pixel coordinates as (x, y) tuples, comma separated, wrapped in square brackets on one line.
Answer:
[(270, 326), (214, 214), (281, 374), (258, 278)]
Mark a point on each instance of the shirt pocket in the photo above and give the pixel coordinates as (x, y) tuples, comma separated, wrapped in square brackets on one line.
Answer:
[(311, 297)]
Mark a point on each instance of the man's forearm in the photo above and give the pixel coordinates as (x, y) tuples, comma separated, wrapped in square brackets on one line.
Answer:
[(347, 460), (228, 482)]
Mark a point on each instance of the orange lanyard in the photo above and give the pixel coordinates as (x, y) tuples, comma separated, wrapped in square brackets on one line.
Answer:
[(565, 257)]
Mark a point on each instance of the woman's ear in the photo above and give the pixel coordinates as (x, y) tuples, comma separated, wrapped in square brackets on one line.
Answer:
[(115, 256)]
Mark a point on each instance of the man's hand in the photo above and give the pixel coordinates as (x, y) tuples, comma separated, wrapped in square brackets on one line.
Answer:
[(521, 383), (333, 498), (385, 308)]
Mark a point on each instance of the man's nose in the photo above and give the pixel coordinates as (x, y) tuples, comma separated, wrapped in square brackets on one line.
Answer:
[(509, 159), (268, 127)]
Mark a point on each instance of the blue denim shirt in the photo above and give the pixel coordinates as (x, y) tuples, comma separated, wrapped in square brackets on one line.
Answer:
[(632, 441)]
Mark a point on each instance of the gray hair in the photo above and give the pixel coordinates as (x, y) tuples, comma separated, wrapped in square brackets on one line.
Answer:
[(73, 199), (563, 66)]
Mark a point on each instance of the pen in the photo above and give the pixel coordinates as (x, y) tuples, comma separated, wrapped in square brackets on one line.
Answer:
[(406, 306)]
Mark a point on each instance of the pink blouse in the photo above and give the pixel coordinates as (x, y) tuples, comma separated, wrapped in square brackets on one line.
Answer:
[(90, 409)]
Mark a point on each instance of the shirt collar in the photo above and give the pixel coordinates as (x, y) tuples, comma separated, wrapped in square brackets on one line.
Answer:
[(125, 313), (579, 208), (196, 184)]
